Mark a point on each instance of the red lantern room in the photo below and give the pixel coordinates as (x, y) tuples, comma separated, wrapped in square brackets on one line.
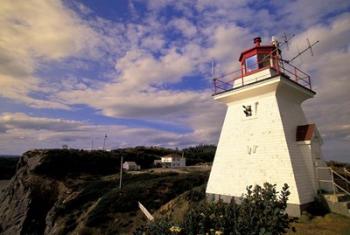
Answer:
[(259, 57), (259, 63)]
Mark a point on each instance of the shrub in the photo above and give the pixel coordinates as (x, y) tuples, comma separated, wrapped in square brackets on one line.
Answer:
[(261, 211)]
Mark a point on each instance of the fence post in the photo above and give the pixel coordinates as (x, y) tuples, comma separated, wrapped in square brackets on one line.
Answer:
[(333, 183), (214, 83), (309, 82)]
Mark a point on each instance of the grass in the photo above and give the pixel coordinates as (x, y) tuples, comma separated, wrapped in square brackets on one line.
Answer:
[(152, 190), (97, 205), (330, 224)]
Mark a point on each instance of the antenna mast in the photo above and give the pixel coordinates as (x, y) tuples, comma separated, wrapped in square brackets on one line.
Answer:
[(309, 47), (121, 172), (104, 142), (213, 66)]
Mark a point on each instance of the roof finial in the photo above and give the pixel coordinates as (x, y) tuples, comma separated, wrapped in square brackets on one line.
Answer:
[(257, 41)]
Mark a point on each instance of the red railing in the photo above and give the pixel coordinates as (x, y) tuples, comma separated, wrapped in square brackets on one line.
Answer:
[(226, 82)]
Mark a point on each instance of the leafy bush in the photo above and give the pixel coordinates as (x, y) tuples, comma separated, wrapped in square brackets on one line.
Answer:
[(261, 211)]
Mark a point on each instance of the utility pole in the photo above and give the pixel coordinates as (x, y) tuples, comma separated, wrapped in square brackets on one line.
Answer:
[(104, 142), (121, 173)]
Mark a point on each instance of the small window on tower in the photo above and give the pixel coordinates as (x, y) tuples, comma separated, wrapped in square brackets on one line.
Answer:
[(264, 60), (251, 63), (247, 110)]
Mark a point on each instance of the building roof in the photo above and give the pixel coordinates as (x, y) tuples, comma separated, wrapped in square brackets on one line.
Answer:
[(255, 50), (130, 163), (305, 132)]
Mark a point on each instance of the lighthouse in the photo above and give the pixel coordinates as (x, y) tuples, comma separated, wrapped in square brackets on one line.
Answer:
[(265, 136)]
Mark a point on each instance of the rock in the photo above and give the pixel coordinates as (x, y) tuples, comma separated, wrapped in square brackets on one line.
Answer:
[(27, 198)]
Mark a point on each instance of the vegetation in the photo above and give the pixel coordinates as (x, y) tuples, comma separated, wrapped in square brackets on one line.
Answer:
[(329, 224), (200, 154), (152, 190), (7, 167), (261, 211), (59, 163), (106, 209), (145, 156)]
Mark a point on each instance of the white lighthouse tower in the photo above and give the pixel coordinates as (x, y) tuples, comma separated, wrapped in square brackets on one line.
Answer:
[(265, 136)]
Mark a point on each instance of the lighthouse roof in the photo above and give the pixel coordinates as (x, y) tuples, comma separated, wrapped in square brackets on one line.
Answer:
[(255, 50), (307, 133)]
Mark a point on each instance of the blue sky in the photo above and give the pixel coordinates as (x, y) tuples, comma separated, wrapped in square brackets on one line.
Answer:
[(139, 71)]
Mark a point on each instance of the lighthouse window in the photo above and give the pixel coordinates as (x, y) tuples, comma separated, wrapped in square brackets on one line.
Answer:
[(247, 110), (263, 60), (251, 63)]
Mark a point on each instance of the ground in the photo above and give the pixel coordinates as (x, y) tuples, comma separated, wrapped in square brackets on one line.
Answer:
[(330, 224)]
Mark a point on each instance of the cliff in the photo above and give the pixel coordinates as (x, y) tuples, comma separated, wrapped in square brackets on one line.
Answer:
[(76, 192)]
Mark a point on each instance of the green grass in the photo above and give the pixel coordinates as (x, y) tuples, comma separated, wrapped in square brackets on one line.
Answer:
[(330, 224), (152, 190)]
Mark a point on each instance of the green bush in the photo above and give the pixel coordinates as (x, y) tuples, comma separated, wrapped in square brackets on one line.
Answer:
[(261, 211)]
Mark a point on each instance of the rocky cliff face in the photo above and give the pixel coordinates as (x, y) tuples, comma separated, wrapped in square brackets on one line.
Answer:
[(29, 203), (27, 199)]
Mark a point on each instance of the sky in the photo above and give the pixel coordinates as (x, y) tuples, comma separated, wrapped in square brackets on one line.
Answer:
[(140, 70)]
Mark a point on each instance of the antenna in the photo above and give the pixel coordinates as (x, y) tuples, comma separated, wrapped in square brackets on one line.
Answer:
[(104, 142), (213, 66), (121, 172), (286, 39), (309, 47)]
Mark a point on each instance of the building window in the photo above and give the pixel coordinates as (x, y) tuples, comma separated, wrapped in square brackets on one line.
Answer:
[(263, 60), (250, 110), (251, 63), (247, 110)]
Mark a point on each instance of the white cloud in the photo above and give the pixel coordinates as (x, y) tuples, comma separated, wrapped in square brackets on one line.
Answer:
[(147, 62), (184, 26), (306, 13), (330, 109), (28, 132), (33, 32)]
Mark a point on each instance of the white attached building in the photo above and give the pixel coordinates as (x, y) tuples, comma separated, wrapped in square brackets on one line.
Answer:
[(172, 161), (265, 136), (131, 166)]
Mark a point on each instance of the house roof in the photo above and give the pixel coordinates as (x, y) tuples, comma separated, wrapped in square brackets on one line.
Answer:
[(130, 163), (305, 132)]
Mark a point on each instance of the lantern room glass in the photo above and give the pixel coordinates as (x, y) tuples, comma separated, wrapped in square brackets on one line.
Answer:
[(251, 63)]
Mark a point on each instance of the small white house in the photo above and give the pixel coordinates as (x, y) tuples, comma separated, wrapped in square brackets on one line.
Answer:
[(131, 166), (173, 161)]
